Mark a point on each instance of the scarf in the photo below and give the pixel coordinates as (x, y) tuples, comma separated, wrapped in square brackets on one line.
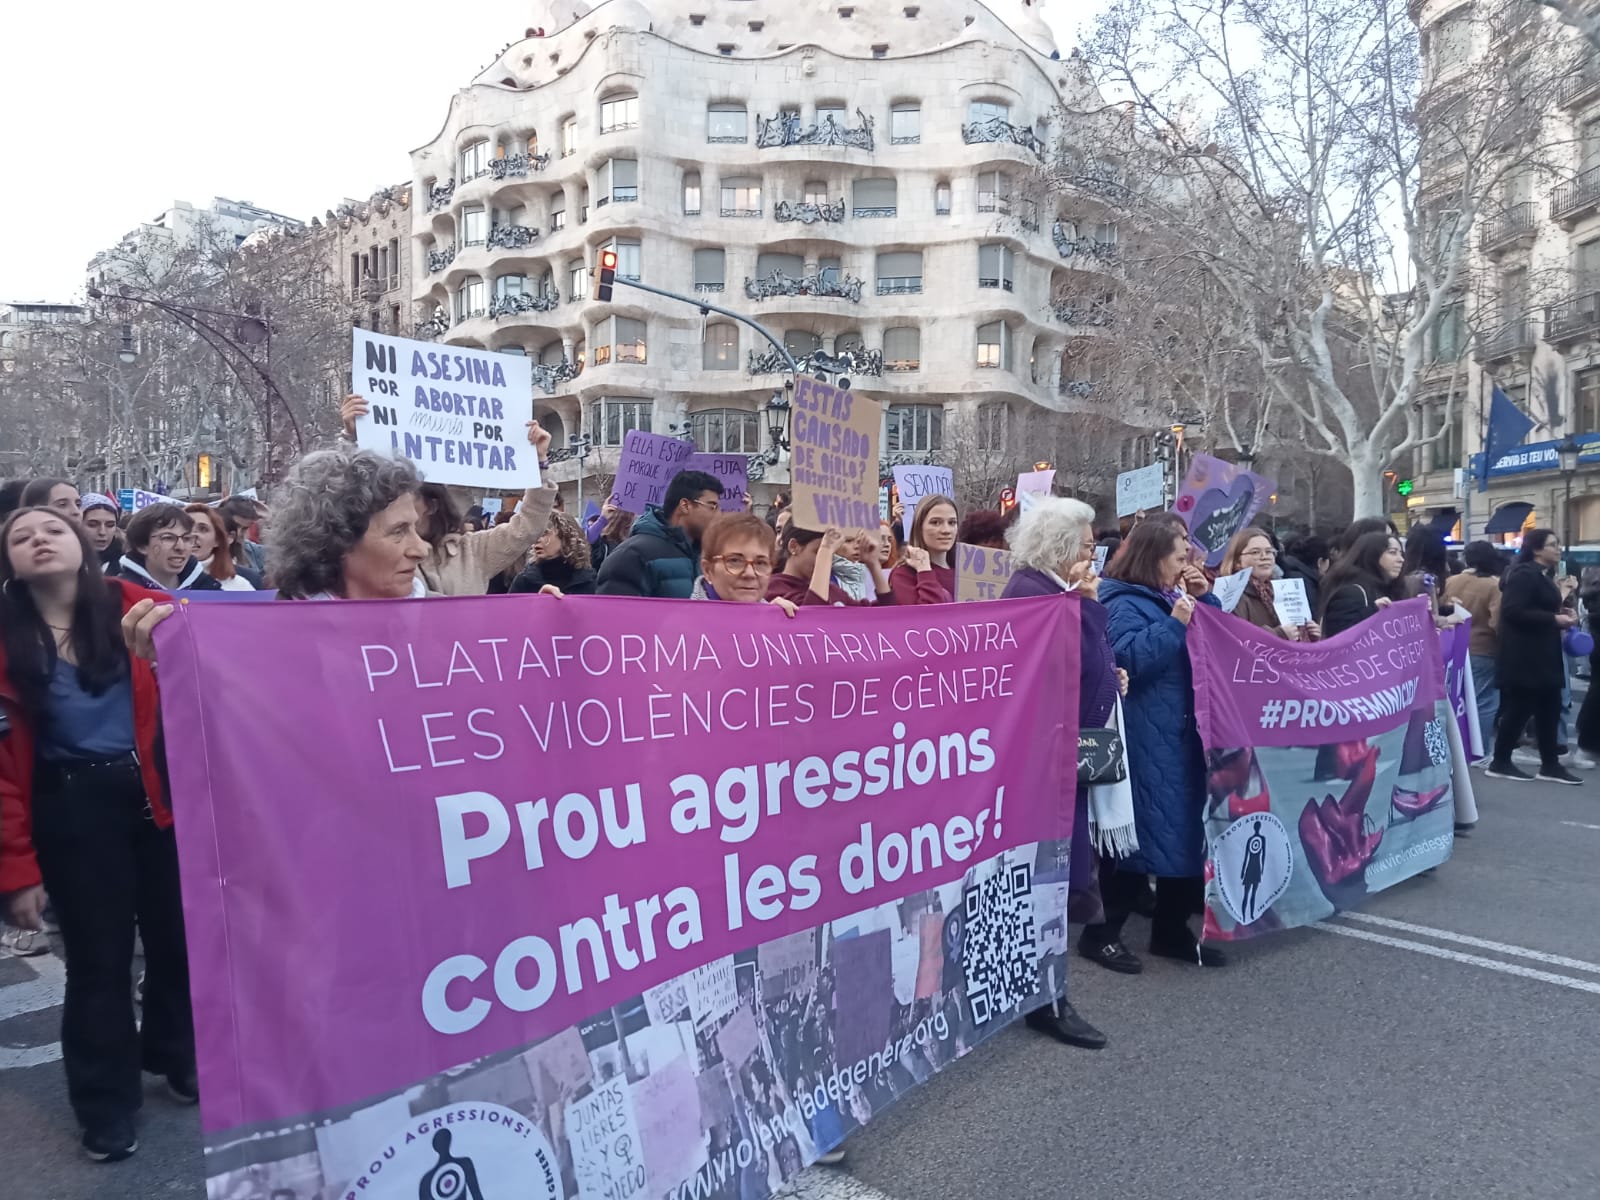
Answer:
[(853, 579), (1111, 827)]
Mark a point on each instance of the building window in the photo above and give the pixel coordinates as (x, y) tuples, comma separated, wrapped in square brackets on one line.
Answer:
[(612, 419), (874, 198), (913, 429), (691, 193), (980, 111), (710, 269), (1449, 335), (553, 355), (905, 124), (994, 191), (569, 137), (1445, 452), (720, 350), (1450, 42), (801, 342), (619, 181), (792, 265), (727, 123), (900, 273), (474, 226), (628, 258), (583, 205), (741, 197), (1586, 265), (619, 112), (994, 345), (470, 299), (941, 198), (577, 280), (995, 266), (816, 192), (726, 430), (833, 110), (474, 161), (510, 285), (849, 343), (828, 268), (628, 339), (1586, 400), (902, 349), (558, 212), (992, 427)]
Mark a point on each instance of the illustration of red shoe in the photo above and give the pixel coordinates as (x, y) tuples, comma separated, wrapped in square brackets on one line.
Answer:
[(1333, 832), (1340, 761), (1236, 780), (1412, 805)]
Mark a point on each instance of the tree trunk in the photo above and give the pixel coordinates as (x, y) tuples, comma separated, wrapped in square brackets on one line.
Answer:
[(1366, 478)]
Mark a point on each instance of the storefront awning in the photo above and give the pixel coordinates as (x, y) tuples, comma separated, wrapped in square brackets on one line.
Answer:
[(1509, 518)]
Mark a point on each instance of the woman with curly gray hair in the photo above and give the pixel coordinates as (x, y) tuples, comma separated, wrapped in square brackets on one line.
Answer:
[(347, 526), (560, 561)]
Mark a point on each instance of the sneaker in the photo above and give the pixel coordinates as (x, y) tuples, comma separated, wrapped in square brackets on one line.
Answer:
[(1581, 760), (110, 1141), (23, 943), (1507, 771), (183, 1087), (831, 1158), (1559, 774)]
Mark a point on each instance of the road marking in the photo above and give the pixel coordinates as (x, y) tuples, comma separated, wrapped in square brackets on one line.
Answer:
[(1461, 939), (45, 991), (827, 1183), (1580, 825), (1471, 960)]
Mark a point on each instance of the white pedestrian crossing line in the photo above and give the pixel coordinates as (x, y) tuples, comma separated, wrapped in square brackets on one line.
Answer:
[(827, 1183), (1580, 825), (1473, 960), (1477, 943), (45, 990)]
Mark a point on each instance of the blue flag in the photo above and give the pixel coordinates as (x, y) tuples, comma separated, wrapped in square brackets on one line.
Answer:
[(1508, 425)]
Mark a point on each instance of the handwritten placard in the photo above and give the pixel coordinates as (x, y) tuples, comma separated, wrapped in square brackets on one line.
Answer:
[(604, 1135), (459, 414), (834, 442), (731, 470), (647, 464), (981, 572), (712, 991), (1141, 490), (1289, 598), (915, 482)]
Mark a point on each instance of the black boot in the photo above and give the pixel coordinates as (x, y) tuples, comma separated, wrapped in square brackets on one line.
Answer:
[(1062, 1022)]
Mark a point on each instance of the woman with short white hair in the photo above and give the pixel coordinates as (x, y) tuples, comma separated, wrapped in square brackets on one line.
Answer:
[(1052, 549)]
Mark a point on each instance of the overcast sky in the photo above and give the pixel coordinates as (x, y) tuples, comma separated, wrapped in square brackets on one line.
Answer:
[(114, 110)]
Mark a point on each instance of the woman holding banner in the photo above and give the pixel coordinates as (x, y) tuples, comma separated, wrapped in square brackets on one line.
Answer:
[(84, 814), (738, 554), (1364, 580), (1150, 592), (929, 578), (1252, 548)]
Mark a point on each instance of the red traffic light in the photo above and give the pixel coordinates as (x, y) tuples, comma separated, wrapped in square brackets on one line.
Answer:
[(608, 260), (606, 275)]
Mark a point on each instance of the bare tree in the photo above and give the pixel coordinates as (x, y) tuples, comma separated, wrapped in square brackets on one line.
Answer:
[(1282, 149), (1585, 20)]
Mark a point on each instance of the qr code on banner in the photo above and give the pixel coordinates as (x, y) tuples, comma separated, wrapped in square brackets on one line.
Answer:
[(1433, 736), (997, 951)]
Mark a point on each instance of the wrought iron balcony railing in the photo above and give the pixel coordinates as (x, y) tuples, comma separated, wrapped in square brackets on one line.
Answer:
[(785, 130), (524, 302), (1518, 221), (438, 260), (433, 327), (862, 362), (905, 285), (1572, 318), (518, 166), (1075, 311), (549, 376), (1569, 199), (512, 237), (809, 213), (878, 211), (828, 283), (440, 195), (1082, 247), (996, 129)]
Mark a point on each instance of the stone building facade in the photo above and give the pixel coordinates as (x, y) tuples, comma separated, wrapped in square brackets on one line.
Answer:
[(862, 180)]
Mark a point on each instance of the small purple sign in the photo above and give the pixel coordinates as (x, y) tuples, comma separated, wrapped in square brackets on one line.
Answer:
[(733, 470), (648, 463), (1216, 500)]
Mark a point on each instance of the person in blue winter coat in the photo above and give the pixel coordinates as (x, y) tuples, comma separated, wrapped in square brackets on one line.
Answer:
[(1149, 594)]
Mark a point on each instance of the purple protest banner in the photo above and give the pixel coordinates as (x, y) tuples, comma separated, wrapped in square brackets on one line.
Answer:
[(733, 470), (490, 830), (647, 464), (1329, 766), (1216, 500)]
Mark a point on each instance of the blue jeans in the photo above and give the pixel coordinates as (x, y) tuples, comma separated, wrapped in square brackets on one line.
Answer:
[(1487, 694)]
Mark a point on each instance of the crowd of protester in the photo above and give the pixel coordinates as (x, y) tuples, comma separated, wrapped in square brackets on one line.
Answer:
[(86, 842)]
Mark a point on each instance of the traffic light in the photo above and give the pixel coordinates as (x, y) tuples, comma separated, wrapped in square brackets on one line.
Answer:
[(606, 276), (1008, 499), (1405, 487)]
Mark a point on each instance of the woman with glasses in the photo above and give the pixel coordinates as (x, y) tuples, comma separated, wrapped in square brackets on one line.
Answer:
[(161, 552), (1252, 548), (738, 553)]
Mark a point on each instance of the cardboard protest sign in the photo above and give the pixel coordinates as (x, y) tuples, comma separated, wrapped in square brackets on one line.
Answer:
[(461, 415), (647, 464), (732, 470), (1141, 490), (834, 443), (477, 979), (981, 572), (915, 482), (1216, 500)]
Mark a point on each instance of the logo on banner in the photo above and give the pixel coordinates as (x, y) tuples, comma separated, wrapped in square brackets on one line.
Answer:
[(1253, 860), (466, 1151)]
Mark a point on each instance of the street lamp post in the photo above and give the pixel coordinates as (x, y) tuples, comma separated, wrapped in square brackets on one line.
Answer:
[(580, 444), (1568, 452)]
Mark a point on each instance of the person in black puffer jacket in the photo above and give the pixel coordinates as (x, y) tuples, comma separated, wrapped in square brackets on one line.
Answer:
[(662, 557), (560, 560)]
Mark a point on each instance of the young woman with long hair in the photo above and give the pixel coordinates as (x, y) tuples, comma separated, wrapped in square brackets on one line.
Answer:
[(1364, 579), (84, 815), (928, 573), (210, 547)]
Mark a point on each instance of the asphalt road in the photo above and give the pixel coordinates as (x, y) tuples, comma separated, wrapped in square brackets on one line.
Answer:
[(1443, 1043)]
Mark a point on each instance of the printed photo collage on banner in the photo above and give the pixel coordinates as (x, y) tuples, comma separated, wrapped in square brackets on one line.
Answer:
[(665, 909)]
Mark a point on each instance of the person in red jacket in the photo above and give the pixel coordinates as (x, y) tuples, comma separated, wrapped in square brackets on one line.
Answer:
[(84, 815), (931, 578), (807, 574)]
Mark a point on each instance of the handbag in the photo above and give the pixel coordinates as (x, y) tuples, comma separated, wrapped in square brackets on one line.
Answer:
[(1102, 757), (1576, 642)]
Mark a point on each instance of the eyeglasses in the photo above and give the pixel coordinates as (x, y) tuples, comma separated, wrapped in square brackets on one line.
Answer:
[(711, 504), (737, 564), (1267, 553), (174, 539)]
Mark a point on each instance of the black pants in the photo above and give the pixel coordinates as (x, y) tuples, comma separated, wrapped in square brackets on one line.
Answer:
[(1175, 902), (1517, 705), (106, 867)]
